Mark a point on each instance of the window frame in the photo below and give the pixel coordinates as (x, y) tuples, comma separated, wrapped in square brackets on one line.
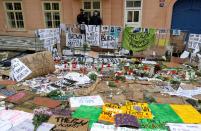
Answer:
[(9, 26), (127, 9), (51, 11), (91, 10)]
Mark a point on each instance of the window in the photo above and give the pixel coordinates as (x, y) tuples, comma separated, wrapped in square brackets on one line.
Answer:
[(133, 12), (52, 14), (90, 6), (14, 14)]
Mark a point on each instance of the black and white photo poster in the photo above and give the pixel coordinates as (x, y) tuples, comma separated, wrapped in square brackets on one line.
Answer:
[(194, 41)]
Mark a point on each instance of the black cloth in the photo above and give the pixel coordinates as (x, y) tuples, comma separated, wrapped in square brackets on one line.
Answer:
[(82, 19), (95, 20)]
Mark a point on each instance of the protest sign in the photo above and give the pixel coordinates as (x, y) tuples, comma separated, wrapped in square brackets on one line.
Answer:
[(61, 112), (86, 100), (68, 124), (102, 127), (19, 70), (109, 111), (42, 101), (40, 63), (88, 112), (139, 110), (108, 41), (194, 41), (126, 120), (74, 40), (20, 97), (187, 113), (27, 125), (92, 35)]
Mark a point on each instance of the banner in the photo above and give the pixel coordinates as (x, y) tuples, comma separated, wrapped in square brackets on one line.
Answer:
[(194, 41), (162, 37), (92, 35), (74, 40), (138, 39)]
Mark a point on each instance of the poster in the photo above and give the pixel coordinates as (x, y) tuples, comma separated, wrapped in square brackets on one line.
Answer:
[(162, 37), (19, 71), (184, 127), (194, 41), (92, 35), (74, 40), (86, 100), (138, 39)]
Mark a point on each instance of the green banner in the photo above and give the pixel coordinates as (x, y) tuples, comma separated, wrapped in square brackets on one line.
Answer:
[(138, 40), (163, 113)]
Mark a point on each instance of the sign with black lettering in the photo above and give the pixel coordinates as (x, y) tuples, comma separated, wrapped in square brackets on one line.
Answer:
[(68, 124), (92, 34), (74, 40)]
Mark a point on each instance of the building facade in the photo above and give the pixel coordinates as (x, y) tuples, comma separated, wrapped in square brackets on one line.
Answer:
[(23, 17)]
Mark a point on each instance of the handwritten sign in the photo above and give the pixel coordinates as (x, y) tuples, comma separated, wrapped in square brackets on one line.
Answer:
[(61, 112), (27, 125), (109, 111), (68, 124), (19, 70), (93, 34), (194, 41), (74, 40), (139, 110), (102, 127), (108, 41), (86, 100)]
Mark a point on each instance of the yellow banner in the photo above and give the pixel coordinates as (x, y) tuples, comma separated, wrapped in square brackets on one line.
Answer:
[(187, 113)]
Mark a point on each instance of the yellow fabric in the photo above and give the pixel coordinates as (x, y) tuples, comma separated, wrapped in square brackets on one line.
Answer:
[(187, 113)]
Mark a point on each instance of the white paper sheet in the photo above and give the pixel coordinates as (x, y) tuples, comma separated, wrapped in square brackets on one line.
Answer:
[(184, 55), (184, 127), (86, 100)]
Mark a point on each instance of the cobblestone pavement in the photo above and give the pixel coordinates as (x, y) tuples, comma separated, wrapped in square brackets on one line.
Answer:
[(20, 43)]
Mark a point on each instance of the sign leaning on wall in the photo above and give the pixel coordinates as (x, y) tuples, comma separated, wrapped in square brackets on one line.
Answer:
[(49, 36), (92, 35), (194, 41), (74, 40)]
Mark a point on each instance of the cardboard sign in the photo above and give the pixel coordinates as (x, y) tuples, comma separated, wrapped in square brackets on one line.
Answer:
[(68, 124), (139, 110), (42, 101), (20, 97), (194, 41), (92, 34), (27, 125), (74, 40), (86, 100), (187, 113), (19, 70), (39, 63), (109, 111)]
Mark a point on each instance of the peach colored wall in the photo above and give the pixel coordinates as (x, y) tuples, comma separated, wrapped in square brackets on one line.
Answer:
[(154, 16)]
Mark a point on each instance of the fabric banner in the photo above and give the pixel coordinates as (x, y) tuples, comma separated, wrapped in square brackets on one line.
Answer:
[(74, 40), (187, 113), (92, 35), (138, 39), (163, 113)]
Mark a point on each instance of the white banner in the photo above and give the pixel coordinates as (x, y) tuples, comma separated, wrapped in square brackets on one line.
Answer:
[(108, 41), (19, 70), (74, 40), (93, 34)]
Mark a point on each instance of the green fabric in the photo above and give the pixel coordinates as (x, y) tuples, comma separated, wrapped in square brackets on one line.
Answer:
[(163, 114), (139, 41), (88, 112)]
